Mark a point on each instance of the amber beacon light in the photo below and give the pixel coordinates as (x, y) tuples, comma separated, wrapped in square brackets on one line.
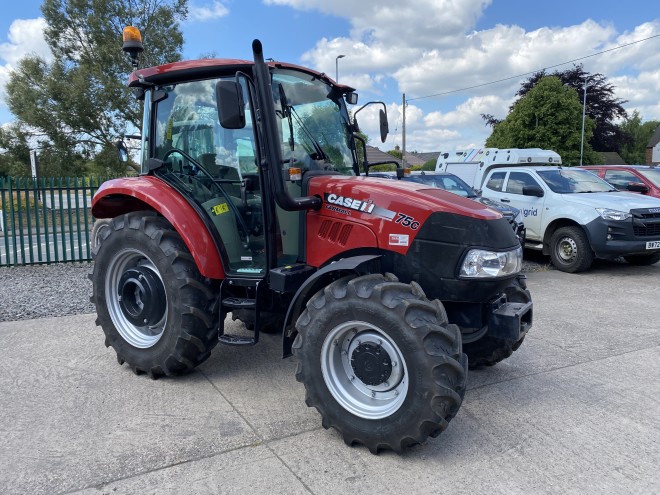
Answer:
[(132, 43)]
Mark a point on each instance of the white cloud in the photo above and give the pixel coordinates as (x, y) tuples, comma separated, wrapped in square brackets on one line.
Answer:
[(444, 53), (202, 13), (26, 37)]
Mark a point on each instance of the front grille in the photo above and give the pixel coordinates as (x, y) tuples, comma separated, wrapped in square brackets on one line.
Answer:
[(647, 230), (646, 222)]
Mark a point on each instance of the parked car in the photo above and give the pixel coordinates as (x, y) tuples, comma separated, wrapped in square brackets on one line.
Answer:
[(575, 216), (643, 179), (454, 184)]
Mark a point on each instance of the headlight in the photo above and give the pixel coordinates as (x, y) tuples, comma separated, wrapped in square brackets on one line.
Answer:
[(480, 263), (608, 214)]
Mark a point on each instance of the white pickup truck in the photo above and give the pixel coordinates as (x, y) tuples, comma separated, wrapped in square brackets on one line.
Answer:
[(571, 214)]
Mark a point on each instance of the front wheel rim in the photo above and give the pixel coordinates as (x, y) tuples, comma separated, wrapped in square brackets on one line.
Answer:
[(567, 250), (364, 370), (140, 336)]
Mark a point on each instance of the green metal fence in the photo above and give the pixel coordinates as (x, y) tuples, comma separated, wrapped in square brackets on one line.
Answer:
[(46, 220)]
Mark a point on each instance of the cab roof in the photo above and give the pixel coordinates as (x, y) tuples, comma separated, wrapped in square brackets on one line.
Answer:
[(189, 70)]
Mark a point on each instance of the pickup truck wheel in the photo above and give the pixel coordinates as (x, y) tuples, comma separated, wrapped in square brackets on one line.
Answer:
[(643, 259), (379, 362), (570, 250), (489, 351), (155, 308)]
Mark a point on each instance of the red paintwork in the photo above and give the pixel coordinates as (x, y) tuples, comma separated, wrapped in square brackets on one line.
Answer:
[(229, 65), (119, 196), (370, 230), (600, 170)]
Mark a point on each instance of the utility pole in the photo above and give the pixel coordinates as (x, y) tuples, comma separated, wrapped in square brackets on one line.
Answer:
[(584, 108), (403, 134)]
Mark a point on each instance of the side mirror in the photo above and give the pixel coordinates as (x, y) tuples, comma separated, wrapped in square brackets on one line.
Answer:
[(639, 187), (384, 126), (229, 100), (122, 151), (351, 98), (533, 191)]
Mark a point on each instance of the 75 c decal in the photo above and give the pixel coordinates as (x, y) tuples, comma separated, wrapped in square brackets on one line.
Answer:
[(406, 221)]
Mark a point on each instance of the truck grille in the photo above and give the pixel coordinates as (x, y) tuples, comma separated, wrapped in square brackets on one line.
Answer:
[(649, 230), (646, 222)]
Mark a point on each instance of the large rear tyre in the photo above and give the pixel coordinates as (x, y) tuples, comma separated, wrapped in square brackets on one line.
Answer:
[(570, 250), (488, 351), (380, 362), (156, 310)]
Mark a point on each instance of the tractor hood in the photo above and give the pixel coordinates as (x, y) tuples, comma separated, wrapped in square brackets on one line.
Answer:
[(365, 197)]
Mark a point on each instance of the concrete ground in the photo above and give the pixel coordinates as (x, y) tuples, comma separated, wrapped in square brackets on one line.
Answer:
[(575, 410)]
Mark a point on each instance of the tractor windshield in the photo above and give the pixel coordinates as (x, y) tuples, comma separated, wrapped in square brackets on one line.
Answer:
[(313, 123)]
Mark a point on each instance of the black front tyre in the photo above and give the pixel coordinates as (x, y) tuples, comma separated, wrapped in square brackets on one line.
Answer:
[(488, 351), (156, 310), (570, 250), (380, 362), (643, 259)]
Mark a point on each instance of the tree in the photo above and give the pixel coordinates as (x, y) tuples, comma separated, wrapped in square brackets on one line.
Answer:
[(14, 152), (602, 106), (396, 154), (429, 166), (549, 116), (637, 137), (78, 104)]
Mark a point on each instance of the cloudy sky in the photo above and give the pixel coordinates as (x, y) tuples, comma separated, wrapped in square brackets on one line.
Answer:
[(443, 54)]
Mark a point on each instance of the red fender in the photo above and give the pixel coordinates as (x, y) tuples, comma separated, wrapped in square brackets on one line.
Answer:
[(118, 196)]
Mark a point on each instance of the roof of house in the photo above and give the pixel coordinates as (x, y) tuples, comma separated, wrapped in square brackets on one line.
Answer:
[(426, 156), (611, 158), (376, 155), (655, 139), (412, 158)]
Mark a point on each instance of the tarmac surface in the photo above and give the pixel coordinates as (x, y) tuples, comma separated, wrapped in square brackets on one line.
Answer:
[(575, 410)]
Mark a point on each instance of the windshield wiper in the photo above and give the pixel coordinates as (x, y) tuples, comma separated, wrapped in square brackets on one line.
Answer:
[(317, 147)]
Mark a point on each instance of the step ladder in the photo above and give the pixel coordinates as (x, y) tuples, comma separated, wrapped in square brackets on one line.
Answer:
[(230, 302)]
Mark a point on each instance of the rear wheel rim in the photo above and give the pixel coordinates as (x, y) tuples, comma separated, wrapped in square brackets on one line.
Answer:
[(140, 336), (364, 370)]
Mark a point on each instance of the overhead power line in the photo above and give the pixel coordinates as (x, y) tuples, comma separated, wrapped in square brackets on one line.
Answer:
[(534, 71)]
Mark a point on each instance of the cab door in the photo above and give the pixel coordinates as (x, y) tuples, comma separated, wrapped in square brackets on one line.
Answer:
[(507, 187), (214, 167)]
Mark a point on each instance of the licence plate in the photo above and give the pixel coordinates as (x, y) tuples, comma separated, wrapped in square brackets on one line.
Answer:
[(653, 245)]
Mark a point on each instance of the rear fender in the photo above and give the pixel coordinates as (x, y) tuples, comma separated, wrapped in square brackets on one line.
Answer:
[(118, 196), (358, 265)]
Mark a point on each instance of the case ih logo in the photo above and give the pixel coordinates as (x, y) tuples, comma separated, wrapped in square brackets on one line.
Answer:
[(353, 204)]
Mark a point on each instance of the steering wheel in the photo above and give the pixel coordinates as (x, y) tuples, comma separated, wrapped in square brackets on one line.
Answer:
[(230, 202)]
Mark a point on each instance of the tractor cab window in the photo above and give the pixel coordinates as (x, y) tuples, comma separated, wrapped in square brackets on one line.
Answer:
[(216, 167), (313, 123)]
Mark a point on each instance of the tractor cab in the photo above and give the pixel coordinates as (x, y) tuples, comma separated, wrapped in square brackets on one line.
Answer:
[(223, 170)]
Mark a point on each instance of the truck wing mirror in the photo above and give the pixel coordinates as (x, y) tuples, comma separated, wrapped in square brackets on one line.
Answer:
[(639, 187), (351, 98), (533, 191), (229, 100), (122, 151)]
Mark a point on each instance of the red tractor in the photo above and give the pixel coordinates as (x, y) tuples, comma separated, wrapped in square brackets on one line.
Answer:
[(250, 202)]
